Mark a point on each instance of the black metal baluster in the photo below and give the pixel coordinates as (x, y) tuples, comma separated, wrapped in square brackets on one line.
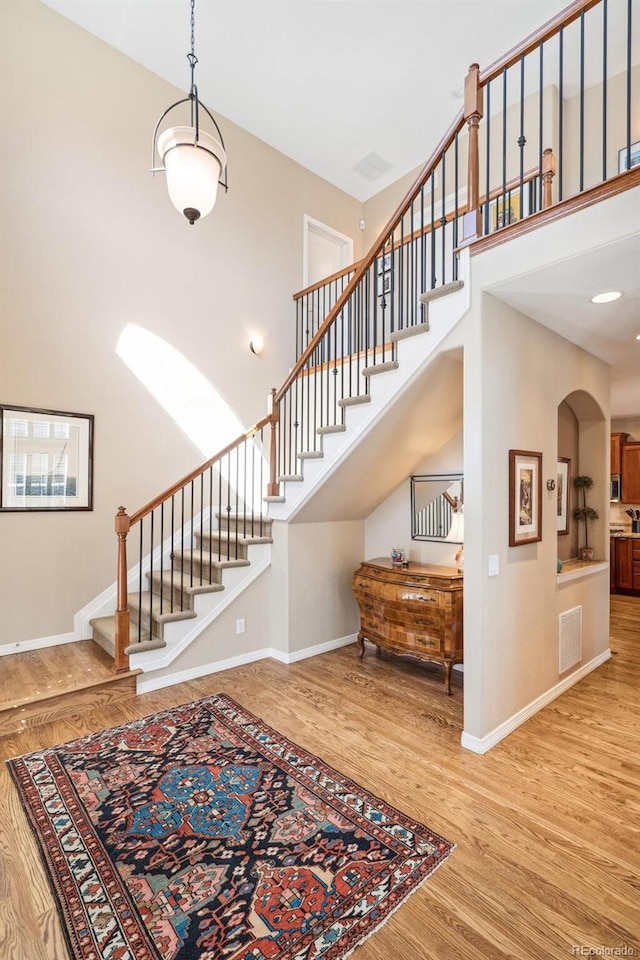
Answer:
[(455, 202), (161, 555), (172, 568), (582, 101), (540, 125), (604, 89), (182, 548), (487, 188), (141, 548), (151, 515), (560, 109), (237, 506), (423, 257), (521, 143), (443, 221), (504, 152), (192, 537), (628, 166), (400, 280), (433, 231), (211, 511), (201, 521)]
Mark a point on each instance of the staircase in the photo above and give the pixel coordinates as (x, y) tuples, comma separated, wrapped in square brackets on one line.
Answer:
[(184, 557)]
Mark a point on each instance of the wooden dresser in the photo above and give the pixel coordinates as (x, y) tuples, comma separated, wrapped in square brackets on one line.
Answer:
[(413, 610)]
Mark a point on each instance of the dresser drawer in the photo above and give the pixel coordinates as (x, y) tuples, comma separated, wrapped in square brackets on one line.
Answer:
[(423, 598)]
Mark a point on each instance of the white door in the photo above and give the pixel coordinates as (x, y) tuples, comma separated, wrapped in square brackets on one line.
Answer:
[(326, 251)]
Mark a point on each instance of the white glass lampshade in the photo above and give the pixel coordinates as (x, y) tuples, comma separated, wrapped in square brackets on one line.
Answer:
[(193, 169), (456, 530)]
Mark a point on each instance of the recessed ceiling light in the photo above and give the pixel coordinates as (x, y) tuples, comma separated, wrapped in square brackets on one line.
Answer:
[(637, 336), (606, 297)]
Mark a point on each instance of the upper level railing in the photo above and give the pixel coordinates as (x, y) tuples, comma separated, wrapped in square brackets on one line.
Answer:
[(563, 102)]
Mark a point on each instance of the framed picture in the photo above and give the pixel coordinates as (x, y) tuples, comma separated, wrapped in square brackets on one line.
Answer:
[(563, 488), (383, 278), (46, 459), (525, 497), (505, 210), (635, 157)]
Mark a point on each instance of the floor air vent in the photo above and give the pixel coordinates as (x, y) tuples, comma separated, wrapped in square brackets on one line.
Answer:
[(570, 638)]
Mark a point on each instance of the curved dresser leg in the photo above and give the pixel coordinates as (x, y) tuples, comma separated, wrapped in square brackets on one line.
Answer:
[(361, 644), (448, 665)]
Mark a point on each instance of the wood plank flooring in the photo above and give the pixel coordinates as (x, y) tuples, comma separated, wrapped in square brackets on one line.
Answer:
[(41, 685), (547, 824)]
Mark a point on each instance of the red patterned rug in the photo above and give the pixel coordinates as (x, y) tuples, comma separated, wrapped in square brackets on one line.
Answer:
[(200, 832)]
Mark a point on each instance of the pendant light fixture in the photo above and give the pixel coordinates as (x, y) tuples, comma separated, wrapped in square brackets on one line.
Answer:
[(194, 161)]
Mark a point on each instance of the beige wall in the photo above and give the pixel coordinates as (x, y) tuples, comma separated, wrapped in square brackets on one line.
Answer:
[(90, 243), (516, 374), (321, 560), (568, 446)]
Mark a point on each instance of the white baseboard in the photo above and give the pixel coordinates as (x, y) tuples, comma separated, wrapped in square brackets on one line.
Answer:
[(313, 651), (38, 644), (146, 683), (484, 744)]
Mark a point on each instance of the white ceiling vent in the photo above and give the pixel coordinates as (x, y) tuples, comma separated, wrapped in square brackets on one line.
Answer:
[(570, 638), (372, 166)]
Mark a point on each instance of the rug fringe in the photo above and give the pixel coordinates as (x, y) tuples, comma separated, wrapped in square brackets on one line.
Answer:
[(411, 892)]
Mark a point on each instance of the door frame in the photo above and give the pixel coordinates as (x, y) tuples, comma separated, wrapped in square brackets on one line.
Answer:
[(311, 225)]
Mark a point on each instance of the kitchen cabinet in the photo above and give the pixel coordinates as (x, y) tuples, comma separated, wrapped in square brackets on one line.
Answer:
[(617, 442), (625, 565), (630, 472)]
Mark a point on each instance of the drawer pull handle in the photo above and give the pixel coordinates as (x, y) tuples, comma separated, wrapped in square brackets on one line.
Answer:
[(426, 599), (425, 623)]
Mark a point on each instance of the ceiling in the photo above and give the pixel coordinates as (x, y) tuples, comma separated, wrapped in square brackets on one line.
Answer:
[(329, 83), (372, 84)]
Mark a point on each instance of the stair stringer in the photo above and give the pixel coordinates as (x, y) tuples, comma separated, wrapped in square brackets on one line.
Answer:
[(179, 634), (414, 355)]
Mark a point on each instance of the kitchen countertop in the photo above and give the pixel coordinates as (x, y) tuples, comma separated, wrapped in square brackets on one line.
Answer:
[(623, 533)]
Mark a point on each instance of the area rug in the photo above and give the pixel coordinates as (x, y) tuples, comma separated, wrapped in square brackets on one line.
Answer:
[(201, 832)]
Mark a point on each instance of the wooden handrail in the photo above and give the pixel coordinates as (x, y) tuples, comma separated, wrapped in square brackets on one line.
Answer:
[(330, 279), (144, 511), (541, 35), (510, 185), (375, 250)]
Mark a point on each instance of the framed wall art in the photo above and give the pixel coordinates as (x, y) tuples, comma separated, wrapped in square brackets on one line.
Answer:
[(633, 156), (563, 489), (46, 459), (525, 497)]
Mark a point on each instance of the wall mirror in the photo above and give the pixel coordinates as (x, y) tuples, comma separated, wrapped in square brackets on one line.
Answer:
[(436, 507)]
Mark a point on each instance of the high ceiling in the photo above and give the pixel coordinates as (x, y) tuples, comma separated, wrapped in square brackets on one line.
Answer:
[(329, 83), (342, 84)]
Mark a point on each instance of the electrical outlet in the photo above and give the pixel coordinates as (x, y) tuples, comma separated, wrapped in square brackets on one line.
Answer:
[(240, 626), (493, 565)]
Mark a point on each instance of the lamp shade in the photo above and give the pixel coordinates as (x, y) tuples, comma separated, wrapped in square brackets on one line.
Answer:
[(456, 530), (193, 169)]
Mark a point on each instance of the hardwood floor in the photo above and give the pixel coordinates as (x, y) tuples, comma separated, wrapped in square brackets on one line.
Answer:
[(547, 824)]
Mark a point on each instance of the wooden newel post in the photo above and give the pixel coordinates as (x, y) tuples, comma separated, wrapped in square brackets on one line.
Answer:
[(273, 487), (123, 523), (472, 221), (548, 173)]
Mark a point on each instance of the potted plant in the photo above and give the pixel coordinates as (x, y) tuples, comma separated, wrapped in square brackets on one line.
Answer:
[(584, 514)]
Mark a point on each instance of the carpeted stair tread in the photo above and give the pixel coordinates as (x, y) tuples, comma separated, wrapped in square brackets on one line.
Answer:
[(407, 332), (190, 584), (376, 368), (290, 478), (310, 455), (443, 291), (141, 604), (184, 557), (106, 628), (232, 536), (354, 401), (252, 525), (331, 428)]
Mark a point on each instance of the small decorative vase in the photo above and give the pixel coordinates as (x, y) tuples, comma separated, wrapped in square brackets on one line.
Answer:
[(459, 558), (586, 553), (559, 565)]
